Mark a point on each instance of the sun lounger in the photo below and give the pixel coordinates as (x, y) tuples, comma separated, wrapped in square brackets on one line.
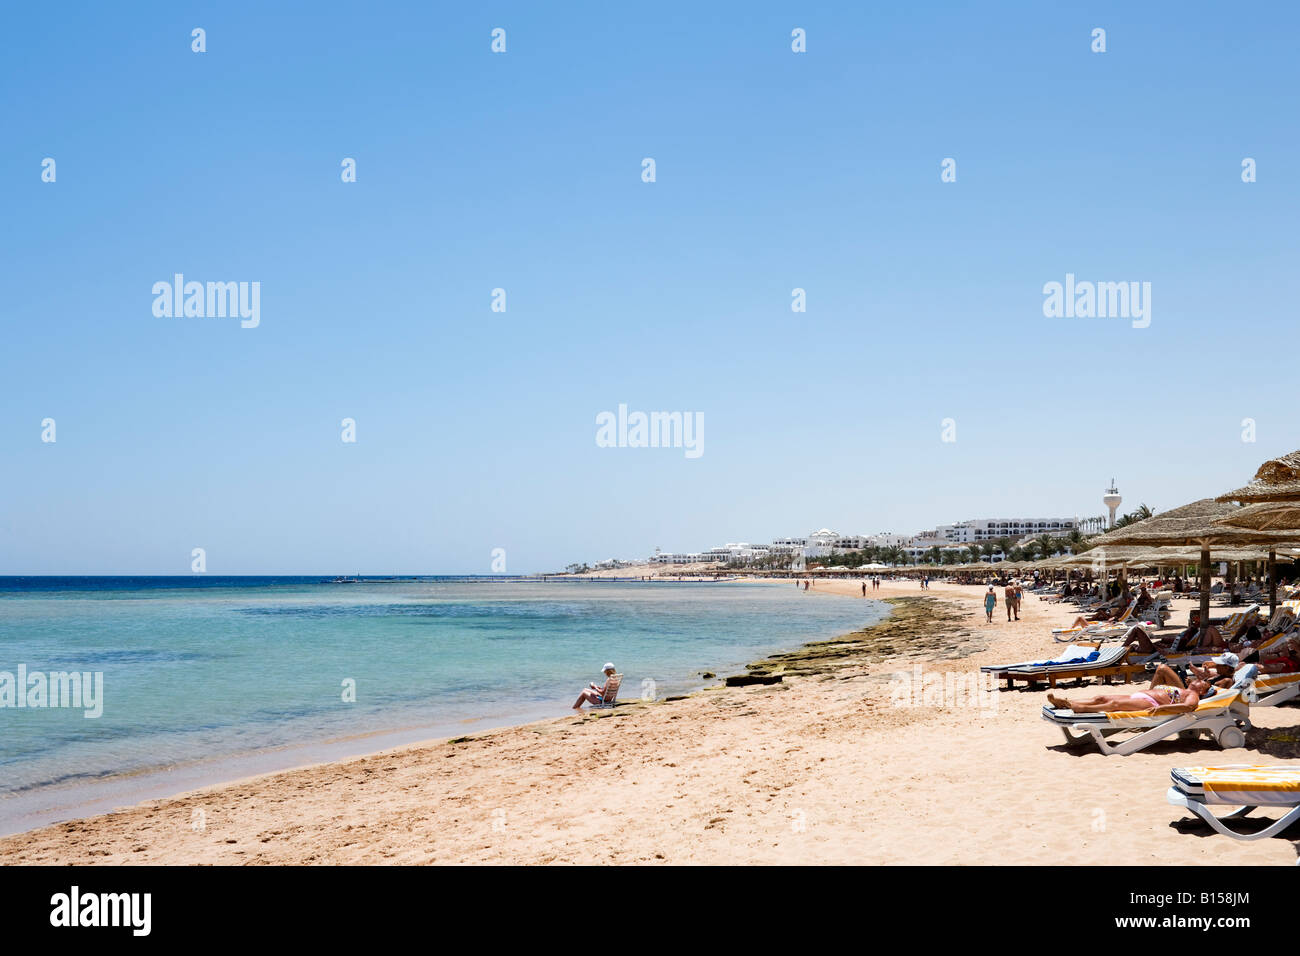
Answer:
[(1074, 663), (1283, 619), (1097, 630), (1247, 788), (1225, 718), (1274, 689)]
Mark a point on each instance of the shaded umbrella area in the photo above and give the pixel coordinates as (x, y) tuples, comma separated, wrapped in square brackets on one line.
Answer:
[(1198, 524)]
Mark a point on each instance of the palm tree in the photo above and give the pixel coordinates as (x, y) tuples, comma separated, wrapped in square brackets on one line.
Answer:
[(972, 555), (949, 556), (1046, 546), (932, 556), (1004, 545), (1017, 554), (988, 547), (1133, 517), (1076, 539)]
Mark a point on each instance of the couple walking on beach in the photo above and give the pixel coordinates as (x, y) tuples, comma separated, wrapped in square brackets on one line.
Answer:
[(1012, 595)]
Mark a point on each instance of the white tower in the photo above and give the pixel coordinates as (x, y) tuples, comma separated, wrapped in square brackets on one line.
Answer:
[(1112, 501)]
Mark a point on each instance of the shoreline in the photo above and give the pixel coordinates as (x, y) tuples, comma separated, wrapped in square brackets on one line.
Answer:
[(50, 804), (825, 767)]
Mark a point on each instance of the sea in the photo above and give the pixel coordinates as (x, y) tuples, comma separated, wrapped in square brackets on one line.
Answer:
[(204, 679)]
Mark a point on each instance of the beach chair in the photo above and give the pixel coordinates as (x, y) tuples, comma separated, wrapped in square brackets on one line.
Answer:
[(1160, 611), (1097, 630), (611, 692), (1076, 662), (1283, 619), (1274, 689), (1195, 656), (1224, 718), (1247, 788), (1238, 620)]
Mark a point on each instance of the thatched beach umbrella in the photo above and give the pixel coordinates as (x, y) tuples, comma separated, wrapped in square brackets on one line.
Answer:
[(1195, 524), (1192, 525), (1278, 479), (1266, 516)]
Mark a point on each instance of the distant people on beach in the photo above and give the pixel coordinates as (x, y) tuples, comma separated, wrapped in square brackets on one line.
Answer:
[(864, 587), (596, 695), (990, 602), (1009, 595)]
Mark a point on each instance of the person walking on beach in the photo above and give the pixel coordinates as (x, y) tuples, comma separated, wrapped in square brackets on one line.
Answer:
[(864, 588), (990, 602), (1020, 596)]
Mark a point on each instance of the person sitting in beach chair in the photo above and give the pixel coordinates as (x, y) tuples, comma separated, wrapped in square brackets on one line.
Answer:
[(1166, 695), (1282, 658), (1181, 643), (1240, 634), (603, 696), (1235, 634), (1219, 671)]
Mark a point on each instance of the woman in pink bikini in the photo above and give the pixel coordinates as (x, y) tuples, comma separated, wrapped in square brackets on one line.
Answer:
[(1166, 694)]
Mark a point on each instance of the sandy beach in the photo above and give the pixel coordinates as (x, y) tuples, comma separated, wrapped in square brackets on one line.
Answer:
[(824, 767)]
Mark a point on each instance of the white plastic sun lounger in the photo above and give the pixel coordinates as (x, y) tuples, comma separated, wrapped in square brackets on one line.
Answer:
[(1247, 788), (1097, 630), (1274, 689), (1225, 718)]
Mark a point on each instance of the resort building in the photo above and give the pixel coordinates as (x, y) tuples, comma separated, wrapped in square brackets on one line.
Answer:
[(669, 557), (826, 542), (991, 529)]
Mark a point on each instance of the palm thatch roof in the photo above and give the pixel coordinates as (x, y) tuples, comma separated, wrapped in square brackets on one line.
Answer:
[(1266, 516), (1198, 523), (1278, 479), (1168, 557)]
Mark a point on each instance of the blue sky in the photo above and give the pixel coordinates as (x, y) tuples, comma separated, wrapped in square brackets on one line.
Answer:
[(522, 171)]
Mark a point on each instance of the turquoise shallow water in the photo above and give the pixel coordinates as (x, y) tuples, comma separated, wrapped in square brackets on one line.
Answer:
[(199, 670)]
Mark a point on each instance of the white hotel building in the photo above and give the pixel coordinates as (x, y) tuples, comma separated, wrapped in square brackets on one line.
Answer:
[(991, 529), (825, 542)]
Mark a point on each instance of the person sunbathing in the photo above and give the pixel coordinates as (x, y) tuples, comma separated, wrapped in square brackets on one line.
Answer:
[(1166, 695), (1183, 642), (1282, 659), (595, 695), (1247, 637), (1112, 609)]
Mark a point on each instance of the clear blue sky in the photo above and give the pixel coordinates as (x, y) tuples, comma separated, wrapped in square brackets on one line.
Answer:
[(775, 170)]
